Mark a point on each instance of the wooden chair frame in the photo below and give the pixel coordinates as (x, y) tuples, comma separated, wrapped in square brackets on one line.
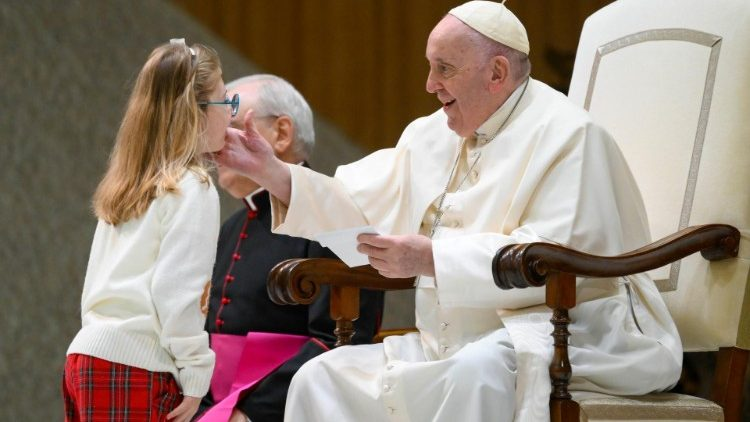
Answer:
[(532, 265), (298, 281)]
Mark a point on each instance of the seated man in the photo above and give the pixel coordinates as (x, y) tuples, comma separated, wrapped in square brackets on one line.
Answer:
[(247, 250), (506, 160)]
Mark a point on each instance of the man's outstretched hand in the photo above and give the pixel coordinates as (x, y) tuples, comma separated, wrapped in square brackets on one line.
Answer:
[(247, 153)]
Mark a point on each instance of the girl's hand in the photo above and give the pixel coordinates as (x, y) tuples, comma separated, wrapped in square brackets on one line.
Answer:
[(185, 410)]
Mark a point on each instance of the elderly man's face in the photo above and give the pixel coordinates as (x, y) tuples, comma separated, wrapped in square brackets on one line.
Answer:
[(459, 76)]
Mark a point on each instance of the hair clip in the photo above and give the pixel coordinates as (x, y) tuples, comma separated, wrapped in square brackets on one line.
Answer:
[(181, 41)]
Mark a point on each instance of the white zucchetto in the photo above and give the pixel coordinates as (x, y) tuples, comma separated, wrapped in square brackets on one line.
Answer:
[(494, 21)]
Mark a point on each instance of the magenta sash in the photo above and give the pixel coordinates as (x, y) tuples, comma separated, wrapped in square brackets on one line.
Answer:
[(241, 362)]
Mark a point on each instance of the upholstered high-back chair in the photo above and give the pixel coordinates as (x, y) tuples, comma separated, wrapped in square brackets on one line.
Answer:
[(670, 80)]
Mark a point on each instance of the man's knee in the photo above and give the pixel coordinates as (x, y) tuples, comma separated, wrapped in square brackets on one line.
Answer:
[(492, 365), (317, 368), (309, 371), (476, 369)]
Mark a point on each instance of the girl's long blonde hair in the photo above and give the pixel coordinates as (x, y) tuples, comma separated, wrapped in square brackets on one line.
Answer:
[(161, 133)]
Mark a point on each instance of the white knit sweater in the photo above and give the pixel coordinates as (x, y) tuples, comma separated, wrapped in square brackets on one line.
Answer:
[(141, 297)]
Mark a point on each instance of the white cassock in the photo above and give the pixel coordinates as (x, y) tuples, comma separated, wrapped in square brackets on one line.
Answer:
[(482, 353)]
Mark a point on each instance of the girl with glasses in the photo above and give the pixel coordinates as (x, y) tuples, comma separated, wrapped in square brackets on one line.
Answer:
[(142, 353)]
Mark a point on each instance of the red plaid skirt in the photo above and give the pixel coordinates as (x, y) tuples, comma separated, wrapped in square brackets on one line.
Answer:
[(98, 390)]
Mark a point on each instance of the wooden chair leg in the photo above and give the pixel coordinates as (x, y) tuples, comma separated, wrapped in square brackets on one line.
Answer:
[(344, 310), (729, 379), (561, 296), (565, 410)]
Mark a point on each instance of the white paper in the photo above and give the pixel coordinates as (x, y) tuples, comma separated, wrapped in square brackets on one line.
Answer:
[(344, 244)]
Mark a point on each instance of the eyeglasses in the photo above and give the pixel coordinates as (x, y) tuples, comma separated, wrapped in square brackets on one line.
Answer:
[(234, 102)]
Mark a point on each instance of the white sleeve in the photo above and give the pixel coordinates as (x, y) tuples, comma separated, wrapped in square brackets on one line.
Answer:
[(371, 191), (318, 203), (586, 200), (190, 224)]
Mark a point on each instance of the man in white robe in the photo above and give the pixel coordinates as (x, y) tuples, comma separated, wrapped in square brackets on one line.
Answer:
[(507, 160)]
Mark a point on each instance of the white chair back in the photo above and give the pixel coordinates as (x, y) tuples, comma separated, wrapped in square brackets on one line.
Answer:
[(670, 79)]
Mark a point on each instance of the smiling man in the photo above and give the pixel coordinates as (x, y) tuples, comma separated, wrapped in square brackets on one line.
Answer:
[(507, 160)]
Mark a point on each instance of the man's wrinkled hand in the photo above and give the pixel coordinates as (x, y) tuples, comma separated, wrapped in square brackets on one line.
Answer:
[(399, 256), (250, 155), (246, 152)]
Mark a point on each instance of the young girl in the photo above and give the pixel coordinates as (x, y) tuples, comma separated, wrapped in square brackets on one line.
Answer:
[(142, 342)]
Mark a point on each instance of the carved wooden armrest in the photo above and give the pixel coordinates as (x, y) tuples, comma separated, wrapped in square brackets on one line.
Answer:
[(298, 281), (556, 267)]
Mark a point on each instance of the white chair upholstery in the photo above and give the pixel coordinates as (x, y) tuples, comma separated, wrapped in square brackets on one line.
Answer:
[(670, 79)]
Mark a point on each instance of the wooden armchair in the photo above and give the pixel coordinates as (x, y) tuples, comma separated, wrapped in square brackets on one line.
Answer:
[(666, 78), (556, 268)]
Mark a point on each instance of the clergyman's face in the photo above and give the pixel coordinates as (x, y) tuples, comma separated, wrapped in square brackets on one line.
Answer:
[(459, 76)]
